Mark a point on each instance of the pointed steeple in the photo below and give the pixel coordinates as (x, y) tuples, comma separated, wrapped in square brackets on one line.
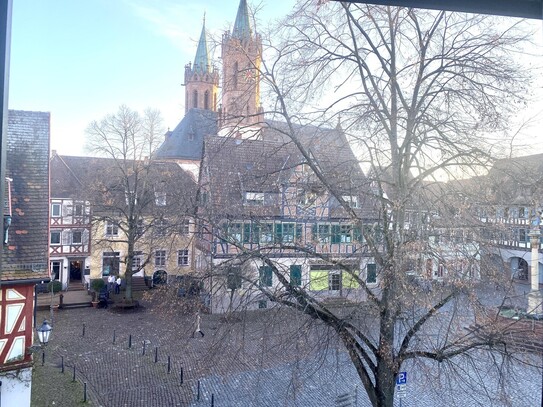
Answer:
[(242, 26), (201, 60)]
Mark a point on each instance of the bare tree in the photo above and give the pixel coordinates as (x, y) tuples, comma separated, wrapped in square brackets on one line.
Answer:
[(418, 94), (144, 203)]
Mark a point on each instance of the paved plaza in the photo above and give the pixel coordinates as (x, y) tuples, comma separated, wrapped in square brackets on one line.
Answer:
[(267, 359)]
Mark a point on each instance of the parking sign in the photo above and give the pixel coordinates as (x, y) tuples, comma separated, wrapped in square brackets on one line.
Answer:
[(402, 378)]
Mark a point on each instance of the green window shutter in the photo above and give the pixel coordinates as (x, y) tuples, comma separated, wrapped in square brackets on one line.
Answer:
[(295, 275), (318, 280), (314, 232), (371, 276), (336, 234), (255, 237), (299, 231), (246, 233), (266, 276), (348, 280), (357, 234), (278, 233)]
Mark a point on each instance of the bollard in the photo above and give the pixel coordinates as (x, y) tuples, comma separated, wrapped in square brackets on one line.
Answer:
[(84, 392), (143, 351), (62, 364), (212, 400), (114, 336), (43, 357), (73, 378), (83, 334), (156, 354), (181, 376), (169, 365), (61, 301), (198, 392), (129, 341)]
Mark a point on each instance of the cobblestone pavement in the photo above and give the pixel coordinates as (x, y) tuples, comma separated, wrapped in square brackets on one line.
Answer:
[(247, 363)]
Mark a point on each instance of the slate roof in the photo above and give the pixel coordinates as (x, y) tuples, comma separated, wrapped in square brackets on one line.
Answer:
[(242, 26), (235, 166), (202, 63), (27, 164), (186, 140), (80, 178)]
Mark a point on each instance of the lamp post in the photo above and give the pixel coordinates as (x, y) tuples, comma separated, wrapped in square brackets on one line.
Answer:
[(44, 331)]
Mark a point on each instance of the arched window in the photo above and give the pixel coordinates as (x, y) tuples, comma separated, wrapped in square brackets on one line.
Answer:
[(235, 76), (206, 100), (195, 99)]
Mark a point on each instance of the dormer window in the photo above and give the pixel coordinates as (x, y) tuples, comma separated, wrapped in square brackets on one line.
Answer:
[(254, 198), (351, 200), (160, 198)]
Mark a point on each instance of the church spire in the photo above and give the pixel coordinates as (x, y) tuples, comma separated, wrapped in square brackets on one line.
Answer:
[(201, 60), (242, 26)]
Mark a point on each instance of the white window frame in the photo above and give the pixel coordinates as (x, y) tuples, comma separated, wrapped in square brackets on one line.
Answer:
[(352, 200), (161, 259), (112, 229), (56, 205), (160, 198), (254, 198), (183, 259), (59, 238), (137, 260)]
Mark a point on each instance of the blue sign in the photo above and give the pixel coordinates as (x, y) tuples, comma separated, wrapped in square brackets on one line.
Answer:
[(402, 378)]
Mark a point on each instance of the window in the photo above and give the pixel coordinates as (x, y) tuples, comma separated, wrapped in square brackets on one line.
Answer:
[(440, 270), (55, 270), (112, 229), (323, 233), (160, 257), (287, 232), (160, 198), (371, 273), (79, 210), (235, 76), (185, 227), (206, 100), (161, 227), (334, 281), (233, 278), (235, 232), (254, 198), (195, 98), (183, 257), (341, 234), (522, 236), (55, 237), (265, 276), (266, 233), (76, 237), (110, 263), (522, 212), (56, 210), (305, 198), (351, 200), (295, 275), (137, 261)]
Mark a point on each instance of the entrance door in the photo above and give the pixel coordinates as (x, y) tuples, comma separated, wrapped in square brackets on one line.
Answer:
[(75, 270)]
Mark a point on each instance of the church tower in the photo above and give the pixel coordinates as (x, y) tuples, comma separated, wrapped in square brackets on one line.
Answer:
[(201, 79), (241, 58)]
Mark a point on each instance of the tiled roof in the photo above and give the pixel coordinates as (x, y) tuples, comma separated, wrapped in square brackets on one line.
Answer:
[(186, 140), (235, 166), (81, 178), (27, 163)]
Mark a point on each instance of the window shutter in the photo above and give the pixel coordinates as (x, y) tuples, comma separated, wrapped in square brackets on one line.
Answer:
[(295, 275), (314, 232), (278, 232), (336, 236), (65, 237), (246, 233), (299, 231)]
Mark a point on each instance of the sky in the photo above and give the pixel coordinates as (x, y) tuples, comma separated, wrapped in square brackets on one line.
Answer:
[(80, 60)]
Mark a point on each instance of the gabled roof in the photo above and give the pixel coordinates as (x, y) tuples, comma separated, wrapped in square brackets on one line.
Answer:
[(235, 166), (242, 25), (186, 140), (202, 62), (27, 164), (81, 177)]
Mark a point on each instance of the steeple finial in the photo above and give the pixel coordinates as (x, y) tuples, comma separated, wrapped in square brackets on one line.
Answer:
[(202, 60), (242, 26)]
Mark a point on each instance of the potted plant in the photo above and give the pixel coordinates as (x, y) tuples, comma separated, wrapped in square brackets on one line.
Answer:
[(96, 285)]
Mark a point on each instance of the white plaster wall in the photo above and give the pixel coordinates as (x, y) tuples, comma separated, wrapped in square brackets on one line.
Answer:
[(16, 388)]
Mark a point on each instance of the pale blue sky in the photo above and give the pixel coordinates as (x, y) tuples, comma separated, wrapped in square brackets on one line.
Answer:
[(81, 59)]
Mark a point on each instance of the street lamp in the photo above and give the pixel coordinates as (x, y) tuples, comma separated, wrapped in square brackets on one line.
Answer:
[(44, 331)]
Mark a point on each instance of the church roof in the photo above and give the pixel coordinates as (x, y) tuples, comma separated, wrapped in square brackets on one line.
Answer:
[(242, 26), (202, 62), (186, 140)]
